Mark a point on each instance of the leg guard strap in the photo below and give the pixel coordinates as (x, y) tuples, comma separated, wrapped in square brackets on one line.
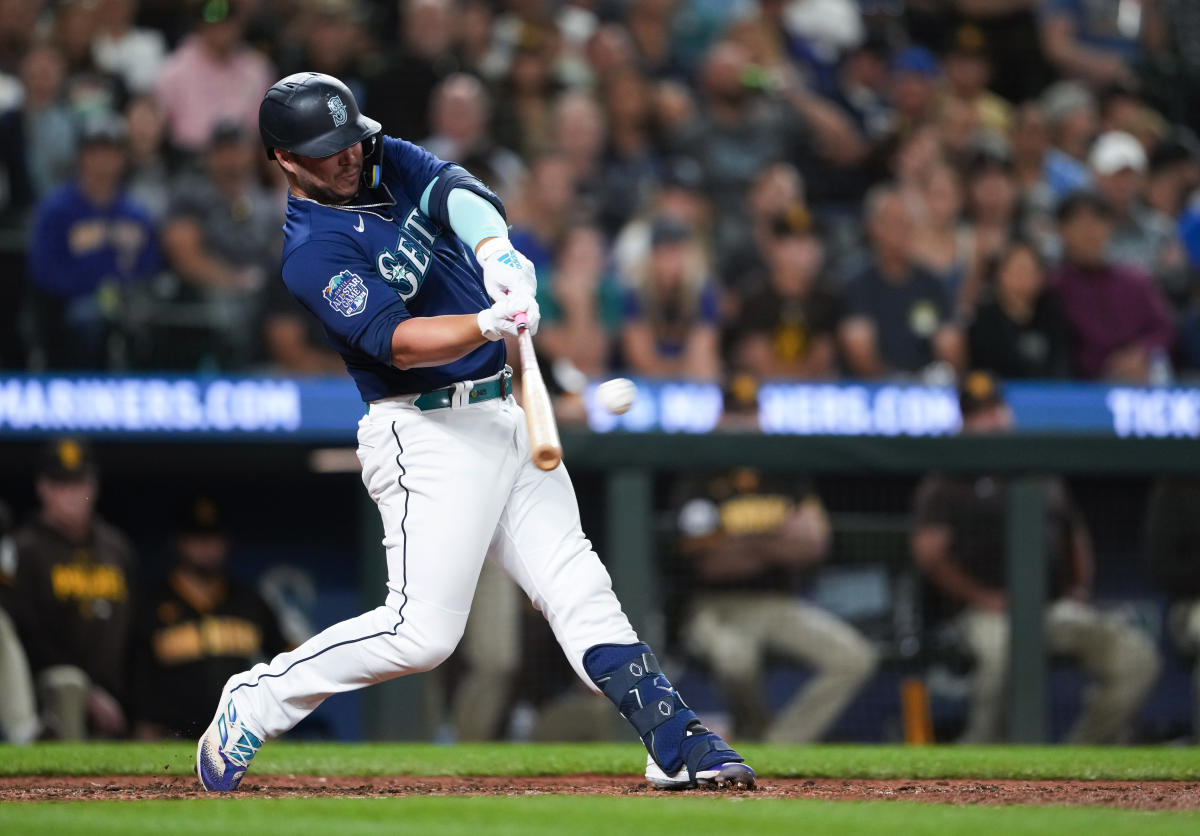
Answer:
[(625, 678)]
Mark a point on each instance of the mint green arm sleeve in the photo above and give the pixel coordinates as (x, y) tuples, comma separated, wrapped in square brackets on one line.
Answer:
[(471, 217)]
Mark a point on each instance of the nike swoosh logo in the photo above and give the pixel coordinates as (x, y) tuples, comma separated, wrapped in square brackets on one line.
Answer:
[(360, 227)]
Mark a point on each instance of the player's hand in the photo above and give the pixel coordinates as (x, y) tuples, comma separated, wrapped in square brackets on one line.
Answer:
[(504, 269), (500, 319)]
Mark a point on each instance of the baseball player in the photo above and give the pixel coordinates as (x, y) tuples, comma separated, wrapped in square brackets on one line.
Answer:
[(406, 262)]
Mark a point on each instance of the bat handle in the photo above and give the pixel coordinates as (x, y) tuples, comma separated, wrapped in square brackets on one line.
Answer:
[(522, 320)]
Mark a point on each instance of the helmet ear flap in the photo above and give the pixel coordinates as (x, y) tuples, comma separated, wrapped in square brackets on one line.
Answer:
[(372, 173)]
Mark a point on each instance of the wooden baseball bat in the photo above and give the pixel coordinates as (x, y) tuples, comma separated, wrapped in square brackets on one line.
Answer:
[(545, 449)]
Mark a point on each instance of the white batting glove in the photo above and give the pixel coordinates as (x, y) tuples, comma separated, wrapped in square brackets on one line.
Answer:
[(505, 270), (500, 319)]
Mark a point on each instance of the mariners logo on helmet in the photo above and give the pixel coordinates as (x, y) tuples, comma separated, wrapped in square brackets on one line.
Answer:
[(346, 293), (338, 111)]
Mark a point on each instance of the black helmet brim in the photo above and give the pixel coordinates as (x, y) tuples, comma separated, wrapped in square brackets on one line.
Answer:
[(334, 141)]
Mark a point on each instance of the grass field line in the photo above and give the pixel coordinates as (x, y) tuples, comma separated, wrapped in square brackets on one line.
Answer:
[(584, 816), (832, 761)]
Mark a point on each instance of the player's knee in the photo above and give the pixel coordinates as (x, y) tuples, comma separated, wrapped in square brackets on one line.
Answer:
[(857, 662)]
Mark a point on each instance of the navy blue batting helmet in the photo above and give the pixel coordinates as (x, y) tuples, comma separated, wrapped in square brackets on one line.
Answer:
[(316, 115)]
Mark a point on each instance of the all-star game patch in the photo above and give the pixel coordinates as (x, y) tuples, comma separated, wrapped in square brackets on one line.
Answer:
[(346, 294)]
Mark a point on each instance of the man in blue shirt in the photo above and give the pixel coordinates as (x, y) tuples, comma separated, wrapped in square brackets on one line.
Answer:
[(89, 239), (405, 259)]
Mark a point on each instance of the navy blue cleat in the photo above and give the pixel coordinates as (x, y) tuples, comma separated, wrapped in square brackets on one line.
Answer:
[(225, 751)]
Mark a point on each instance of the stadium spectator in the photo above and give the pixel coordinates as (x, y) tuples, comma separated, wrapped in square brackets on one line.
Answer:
[(19, 721), (680, 195), (994, 208), (194, 629), (777, 189), (73, 599), (1172, 526), (212, 76), (788, 323), (148, 175), (1070, 110), (544, 210), (735, 136), (748, 544), (631, 161), (90, 242), (1010, 30), (330, 39), (1019, 331), (461, 110), (671, 309), (580, 304), (1120, 326), (18, 32), (943, 245), (898, 316), (1171, 38), (578, 133), (89, 91), (649, 23), (958, 542), (1030, 142), (41, 131), (526, 122), (916, 80), (222, 242), (1141, 238), (968, 72), (1093, 40), (119, 47), (422, 55)]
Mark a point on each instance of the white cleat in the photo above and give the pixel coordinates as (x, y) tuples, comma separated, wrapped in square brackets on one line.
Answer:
[(733, 774)]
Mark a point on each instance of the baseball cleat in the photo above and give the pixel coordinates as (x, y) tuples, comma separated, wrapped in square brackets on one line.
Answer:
[(225, 751), (737, 775)]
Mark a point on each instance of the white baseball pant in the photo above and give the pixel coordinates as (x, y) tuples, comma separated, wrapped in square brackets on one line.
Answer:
[(453, 485)]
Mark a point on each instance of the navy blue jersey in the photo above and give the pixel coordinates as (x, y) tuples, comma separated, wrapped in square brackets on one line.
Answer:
[(365, 267)]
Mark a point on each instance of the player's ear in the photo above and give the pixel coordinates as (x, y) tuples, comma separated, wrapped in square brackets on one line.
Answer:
[(286, 161)]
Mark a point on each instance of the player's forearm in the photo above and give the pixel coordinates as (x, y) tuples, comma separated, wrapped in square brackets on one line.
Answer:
[(434, 340)]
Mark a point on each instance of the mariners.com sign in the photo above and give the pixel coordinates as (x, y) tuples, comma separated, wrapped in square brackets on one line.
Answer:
[(136, 405), (327, 409)]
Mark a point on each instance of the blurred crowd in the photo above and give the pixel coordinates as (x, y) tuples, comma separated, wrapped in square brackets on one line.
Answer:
[(716, 190)]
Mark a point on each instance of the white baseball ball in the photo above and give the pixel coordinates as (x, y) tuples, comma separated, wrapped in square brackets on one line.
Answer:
[(617, 395)]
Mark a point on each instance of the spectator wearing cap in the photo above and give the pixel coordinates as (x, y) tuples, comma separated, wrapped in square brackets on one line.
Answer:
[(1092, 40), (670, 310), (994, 211), (1010, 29), (72, 600), (1019, 331), (90, 242), (898, 316), (222, 242), (528, 89), (1071, 116), (788, 325), (1120, 325), (1141, 238), (968, 71), (126, 50), (213, 75), (460, 112), (196, 628), (916, 80), (19, 721), (958, 543)]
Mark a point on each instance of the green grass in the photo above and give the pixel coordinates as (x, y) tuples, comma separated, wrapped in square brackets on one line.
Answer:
[(580, 816), (1023, 762)]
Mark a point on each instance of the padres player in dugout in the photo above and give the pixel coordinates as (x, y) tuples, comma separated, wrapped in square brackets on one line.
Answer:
[(405, 260)]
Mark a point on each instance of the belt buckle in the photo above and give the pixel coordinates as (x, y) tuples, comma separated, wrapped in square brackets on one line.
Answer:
[(506, 387)]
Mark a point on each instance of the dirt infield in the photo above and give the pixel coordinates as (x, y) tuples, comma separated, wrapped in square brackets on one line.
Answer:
[(1136, 795)]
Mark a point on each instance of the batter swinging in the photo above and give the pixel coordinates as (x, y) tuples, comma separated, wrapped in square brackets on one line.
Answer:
[(405, 259)]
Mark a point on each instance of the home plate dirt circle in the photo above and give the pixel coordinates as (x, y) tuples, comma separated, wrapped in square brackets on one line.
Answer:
[(1136, 795)]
